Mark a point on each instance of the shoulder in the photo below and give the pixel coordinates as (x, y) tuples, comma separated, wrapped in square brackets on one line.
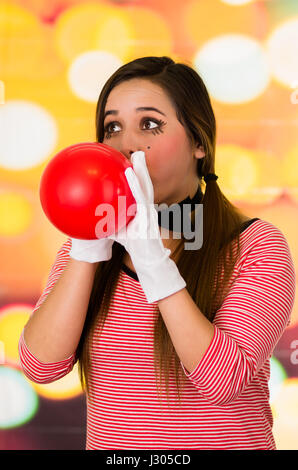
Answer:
[(261, 231), (62, 258), (262, 239), (64, 249)]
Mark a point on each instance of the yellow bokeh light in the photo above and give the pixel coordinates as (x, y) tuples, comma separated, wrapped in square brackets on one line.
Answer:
[(247, 175), (78, 30), (290, 168), (15, 20), (67, 387), (12, 321), (283, 213), (16, 214), (285, 427), (19, 30), (238, 172), (2, 92), (206, 20), (114, 34), (273, 411), (286, 402), (236, 2), (126, 33), (150, 35)]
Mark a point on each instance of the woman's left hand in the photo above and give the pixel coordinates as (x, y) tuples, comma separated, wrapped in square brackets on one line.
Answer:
[(157, 272)]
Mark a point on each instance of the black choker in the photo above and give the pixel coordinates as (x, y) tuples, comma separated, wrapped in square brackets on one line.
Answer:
[(181, 209)]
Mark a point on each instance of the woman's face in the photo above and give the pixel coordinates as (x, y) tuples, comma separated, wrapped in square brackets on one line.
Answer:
[(140, 116)]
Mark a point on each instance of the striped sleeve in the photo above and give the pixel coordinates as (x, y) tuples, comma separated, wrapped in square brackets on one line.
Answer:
[(61, 260), (250, 321), (32, 367), (40, 372)]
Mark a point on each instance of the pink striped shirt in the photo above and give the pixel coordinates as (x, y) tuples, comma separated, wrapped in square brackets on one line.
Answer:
[(225, 402)]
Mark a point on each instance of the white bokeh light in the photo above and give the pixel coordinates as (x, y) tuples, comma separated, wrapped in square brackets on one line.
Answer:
[(28, 134), (89, 72), (282, 46), (234, 68)]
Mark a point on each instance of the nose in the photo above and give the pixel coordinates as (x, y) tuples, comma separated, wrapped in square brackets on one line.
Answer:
[(131, 142), (128, 152)]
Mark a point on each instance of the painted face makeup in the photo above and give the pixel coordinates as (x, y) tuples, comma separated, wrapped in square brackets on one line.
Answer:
[(139, 115)]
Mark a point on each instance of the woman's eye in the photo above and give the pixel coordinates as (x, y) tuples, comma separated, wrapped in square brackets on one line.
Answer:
[(110, 128), (157, 128), (147, 124), (153, 122)]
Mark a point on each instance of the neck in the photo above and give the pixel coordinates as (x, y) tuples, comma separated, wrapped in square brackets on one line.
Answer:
[(170, 220)]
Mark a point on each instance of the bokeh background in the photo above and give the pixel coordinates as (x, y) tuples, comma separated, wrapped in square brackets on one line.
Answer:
[(54, 58)]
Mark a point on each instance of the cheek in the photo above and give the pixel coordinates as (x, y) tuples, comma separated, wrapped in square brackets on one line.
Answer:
[(171, 145), (167, 156)]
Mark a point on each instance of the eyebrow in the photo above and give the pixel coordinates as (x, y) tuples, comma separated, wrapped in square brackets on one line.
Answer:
[(143, 108)]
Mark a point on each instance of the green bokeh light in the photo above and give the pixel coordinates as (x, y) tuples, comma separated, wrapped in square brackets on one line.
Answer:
[(18, 400), (277, 376)]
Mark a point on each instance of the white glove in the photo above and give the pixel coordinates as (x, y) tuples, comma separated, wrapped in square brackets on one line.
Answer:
[(91, 251), (157, 272)]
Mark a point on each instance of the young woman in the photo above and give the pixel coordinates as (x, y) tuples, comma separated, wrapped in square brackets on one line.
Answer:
[(173, 344)]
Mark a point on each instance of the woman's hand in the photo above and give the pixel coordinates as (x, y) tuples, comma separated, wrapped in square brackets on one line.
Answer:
[(157, 273), (91, 251)]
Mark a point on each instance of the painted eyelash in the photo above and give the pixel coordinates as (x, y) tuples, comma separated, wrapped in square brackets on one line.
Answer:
[(156, 130)]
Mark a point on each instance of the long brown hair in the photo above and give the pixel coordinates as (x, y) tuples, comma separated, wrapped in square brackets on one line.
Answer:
[(207, 270)]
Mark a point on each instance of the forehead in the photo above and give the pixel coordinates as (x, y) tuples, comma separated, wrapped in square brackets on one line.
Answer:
[(136, 91)]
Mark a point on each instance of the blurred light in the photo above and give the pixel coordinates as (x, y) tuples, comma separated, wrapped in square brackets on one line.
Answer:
[(283, 10), (114, 33), (18, 400), (21, 41), (12, 321), (28, 134), (206, 20), (285, 428), (282, 46), (277, 376), (290, 168), (238, 172), (2, 92), (236, 2), (283, 214), (90, 26), (89, 72), (234, 68), (248, 175), (150, 34), (16, 214), (67, 387), (237, 169)]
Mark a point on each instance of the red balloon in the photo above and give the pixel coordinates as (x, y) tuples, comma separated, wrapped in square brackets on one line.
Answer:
[(79, 191)]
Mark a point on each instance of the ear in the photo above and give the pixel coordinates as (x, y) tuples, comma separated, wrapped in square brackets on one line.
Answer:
[(199, 151)]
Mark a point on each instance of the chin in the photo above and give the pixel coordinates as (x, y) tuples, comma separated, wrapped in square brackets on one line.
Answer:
[(163, 198)]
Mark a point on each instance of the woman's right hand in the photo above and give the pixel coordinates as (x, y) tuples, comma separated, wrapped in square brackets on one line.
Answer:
[(91, 251)]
